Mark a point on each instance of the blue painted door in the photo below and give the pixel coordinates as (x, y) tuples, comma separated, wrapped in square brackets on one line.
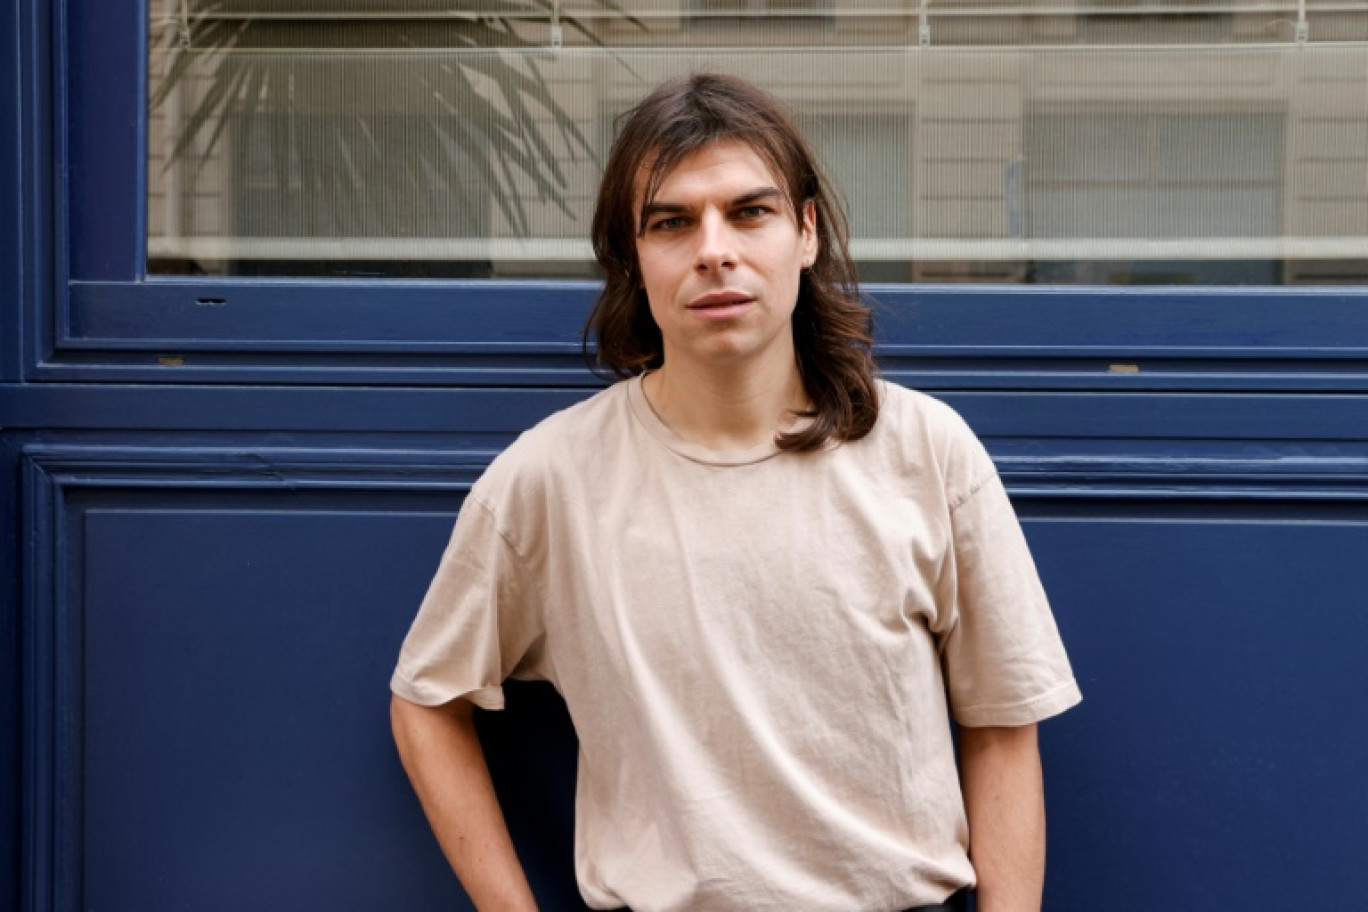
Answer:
[(223, 499)]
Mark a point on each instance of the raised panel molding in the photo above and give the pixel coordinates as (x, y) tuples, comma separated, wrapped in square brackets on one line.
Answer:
[(64, 486), (1030, 469), (1072, 495), (253, 468), (1270, 426), (527, 334)]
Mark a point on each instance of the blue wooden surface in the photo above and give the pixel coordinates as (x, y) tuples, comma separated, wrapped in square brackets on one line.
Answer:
[(1179, 420), (1202, 555), (11, 209), (13, 734), (25, 207), (528, 333), (218, 520), (21, 184), (214, 653), (980, 321), (1213, 763), (102, 112), (12, 202), (255, 742)]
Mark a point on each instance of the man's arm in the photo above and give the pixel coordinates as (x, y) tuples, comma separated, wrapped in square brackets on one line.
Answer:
[(1004, 795), (442, 755)]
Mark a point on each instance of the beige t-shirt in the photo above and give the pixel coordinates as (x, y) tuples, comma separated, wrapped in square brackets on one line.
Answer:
[(756, 648)]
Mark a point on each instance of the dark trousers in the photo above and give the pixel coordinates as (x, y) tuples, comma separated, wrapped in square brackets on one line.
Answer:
[(959, 902)]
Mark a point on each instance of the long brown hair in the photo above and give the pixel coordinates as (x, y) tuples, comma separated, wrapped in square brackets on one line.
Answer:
[(832, 326)]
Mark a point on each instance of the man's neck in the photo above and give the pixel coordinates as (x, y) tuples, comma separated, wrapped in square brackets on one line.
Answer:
[(724, 409)]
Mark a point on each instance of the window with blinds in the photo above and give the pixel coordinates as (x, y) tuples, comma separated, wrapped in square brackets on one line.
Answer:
[(1093, 141)]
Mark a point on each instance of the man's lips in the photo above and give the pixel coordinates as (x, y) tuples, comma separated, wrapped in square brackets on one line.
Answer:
[(719, 300)]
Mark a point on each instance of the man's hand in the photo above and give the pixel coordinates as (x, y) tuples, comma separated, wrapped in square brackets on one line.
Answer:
[(1004, 795), (441, 754)]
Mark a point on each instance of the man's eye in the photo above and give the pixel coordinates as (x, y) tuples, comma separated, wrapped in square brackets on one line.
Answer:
[(673, 223), (752, 212)]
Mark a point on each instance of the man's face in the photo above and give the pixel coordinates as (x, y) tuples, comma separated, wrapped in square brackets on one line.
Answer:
[(721, 251)]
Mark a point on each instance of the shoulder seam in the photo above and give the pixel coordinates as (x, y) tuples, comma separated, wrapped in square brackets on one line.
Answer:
[(973, 490)]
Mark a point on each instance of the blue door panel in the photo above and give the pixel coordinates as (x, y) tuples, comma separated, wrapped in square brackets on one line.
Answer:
[(1215, 762), (104, 49), (223, 625), (218, 665), (234, 722)]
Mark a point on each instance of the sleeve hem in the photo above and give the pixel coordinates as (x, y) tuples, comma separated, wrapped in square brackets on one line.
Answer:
[(484, 697), (1051, 703)]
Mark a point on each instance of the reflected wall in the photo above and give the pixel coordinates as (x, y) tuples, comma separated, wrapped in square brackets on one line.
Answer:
[(1109, 143)]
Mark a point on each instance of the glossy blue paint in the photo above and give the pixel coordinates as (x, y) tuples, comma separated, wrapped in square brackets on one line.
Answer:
[(37, 271), (528, 333), (12, 202), (217, 660), (102, 56), (933, 321), (12, 247), (330, 315), (22, 181), (25, 182), (246, 747), (13, 735), (209, 704), (38, 868), (1177, 418), (1210, 765), (218, 520)]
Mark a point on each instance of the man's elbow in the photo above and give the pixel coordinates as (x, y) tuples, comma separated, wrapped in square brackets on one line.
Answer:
[(1007, 740), (410, 721)]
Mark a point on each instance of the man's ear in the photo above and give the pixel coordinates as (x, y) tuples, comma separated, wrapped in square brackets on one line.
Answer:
[(808, 227)]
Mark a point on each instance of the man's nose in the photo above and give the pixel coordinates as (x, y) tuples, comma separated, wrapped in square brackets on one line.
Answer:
[(716, 243)]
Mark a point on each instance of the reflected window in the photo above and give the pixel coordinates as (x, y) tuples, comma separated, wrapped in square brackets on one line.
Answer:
[(974, 140)]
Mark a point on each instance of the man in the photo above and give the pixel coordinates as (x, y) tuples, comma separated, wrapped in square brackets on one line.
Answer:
[(760, 578)]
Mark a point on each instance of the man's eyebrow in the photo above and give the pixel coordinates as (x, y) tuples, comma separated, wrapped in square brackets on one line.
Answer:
[(754, 196), (657, 207)]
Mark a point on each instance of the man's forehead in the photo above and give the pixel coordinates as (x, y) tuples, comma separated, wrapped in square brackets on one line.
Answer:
[(646, 174)]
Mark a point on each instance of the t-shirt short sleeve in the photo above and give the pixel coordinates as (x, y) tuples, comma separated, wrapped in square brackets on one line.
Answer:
[(479, 624), (1004, 661)]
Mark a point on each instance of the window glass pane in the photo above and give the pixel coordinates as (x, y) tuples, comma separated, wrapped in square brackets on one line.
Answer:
[(1094, 141)]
